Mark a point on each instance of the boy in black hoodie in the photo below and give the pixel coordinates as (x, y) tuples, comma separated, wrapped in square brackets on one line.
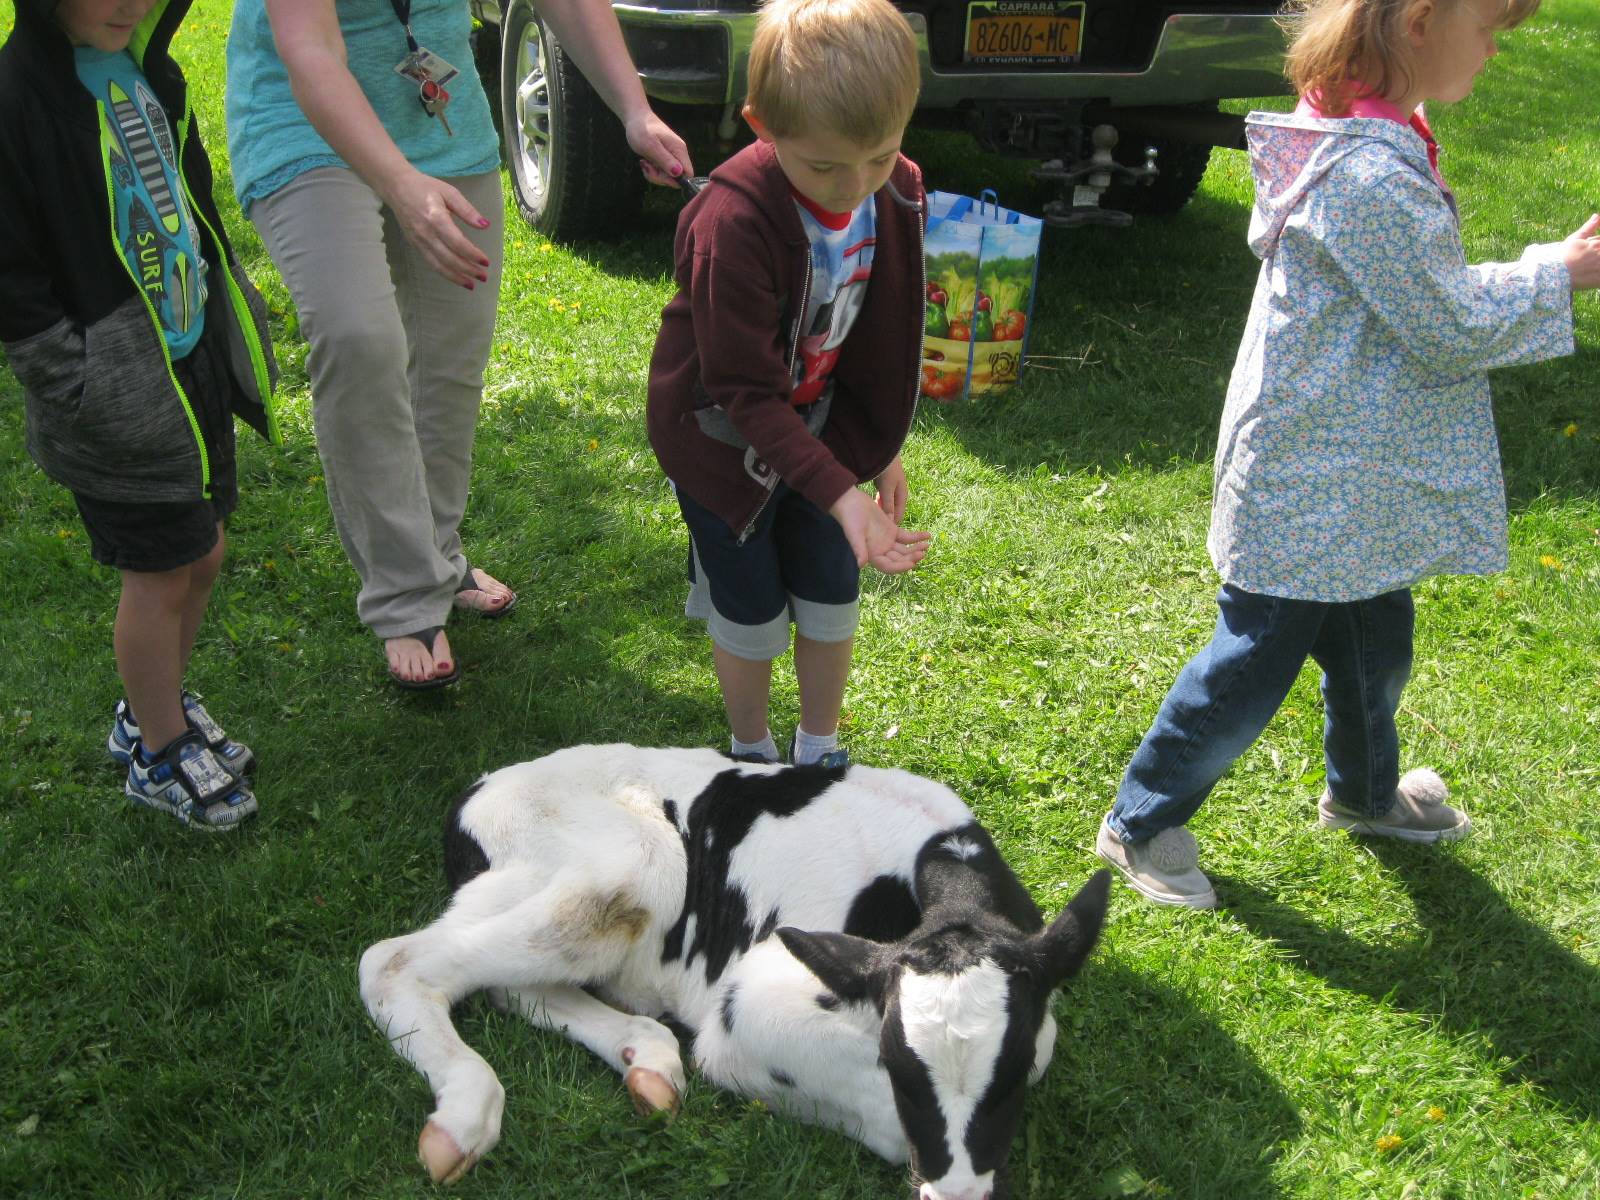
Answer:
[(136, 337)]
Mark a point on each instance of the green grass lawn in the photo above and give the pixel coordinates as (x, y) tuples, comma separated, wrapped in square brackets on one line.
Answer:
[(179, 1015)]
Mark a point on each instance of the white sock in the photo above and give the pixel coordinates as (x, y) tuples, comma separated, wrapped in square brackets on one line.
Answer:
[(808, 747), (766, 748)]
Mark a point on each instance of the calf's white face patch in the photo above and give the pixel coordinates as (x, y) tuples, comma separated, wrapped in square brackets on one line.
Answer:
[(956, 1025)]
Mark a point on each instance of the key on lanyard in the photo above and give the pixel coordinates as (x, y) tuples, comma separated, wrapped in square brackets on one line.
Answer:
[(433, 99)]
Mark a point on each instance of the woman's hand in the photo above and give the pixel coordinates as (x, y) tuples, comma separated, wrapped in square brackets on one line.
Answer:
[(663, 157), (431, 213)]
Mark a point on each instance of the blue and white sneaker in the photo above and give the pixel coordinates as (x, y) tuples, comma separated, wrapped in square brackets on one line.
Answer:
[(235, 756), (190, 783), (833, 760), (123, 743)]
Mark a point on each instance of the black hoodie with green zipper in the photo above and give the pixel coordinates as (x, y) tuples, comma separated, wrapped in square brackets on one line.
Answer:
[(105, 414)]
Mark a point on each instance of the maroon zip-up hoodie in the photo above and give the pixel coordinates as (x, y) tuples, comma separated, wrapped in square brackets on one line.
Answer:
[(719, 414)]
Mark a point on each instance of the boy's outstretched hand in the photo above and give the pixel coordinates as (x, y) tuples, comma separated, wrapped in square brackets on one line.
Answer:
[(1581, 253), (877, 540)]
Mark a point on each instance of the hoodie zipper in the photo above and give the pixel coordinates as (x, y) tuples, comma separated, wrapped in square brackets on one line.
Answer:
[(794, 348), (916, 342)]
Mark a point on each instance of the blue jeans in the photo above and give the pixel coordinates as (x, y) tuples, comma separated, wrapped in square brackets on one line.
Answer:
[(1228, 692)]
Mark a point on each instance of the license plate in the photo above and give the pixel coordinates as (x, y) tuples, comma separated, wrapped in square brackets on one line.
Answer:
[(1024, 31)]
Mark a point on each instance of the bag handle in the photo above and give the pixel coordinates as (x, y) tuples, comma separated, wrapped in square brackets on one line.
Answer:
[(989, 198), (958, 210)]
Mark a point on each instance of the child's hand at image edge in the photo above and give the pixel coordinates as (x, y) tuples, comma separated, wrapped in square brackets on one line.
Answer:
[(1581, 254)]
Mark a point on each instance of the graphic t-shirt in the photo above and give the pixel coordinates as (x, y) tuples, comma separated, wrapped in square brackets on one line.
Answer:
[(153, 223), (841, 263)]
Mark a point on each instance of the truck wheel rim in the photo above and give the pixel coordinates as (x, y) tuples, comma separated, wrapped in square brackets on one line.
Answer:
[(533, 111)]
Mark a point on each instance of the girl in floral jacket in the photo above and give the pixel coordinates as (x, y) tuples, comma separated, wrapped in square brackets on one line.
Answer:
[(1357, 453)]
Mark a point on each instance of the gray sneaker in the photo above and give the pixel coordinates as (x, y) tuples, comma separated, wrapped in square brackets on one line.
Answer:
[(1419, 812), (1162, 869)]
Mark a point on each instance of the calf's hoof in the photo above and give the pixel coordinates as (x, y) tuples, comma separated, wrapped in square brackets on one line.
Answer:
[(446, 1162), (651, 1091)]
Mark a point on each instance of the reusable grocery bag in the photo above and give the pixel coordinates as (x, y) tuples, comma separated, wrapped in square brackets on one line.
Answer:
[(982, 266)]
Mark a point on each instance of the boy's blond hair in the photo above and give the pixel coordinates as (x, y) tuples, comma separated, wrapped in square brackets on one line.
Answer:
[(1340, 50), (845, 66)]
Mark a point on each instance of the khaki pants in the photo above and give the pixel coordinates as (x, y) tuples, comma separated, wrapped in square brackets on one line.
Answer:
[(396, 360)]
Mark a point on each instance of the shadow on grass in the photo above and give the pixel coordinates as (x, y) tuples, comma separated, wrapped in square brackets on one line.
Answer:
[(1479, 968), (645, 253), (1143, 1079)]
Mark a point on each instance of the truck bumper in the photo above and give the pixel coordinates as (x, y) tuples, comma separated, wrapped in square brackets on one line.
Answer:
[(1198, 57)]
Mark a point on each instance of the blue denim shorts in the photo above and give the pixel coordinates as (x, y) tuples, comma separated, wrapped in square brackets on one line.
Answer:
[(795, 565)]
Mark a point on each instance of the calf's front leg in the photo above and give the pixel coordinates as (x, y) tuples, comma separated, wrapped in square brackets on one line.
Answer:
[(640, 1049)]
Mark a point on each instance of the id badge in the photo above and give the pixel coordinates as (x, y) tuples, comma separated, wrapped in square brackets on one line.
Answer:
[(424, 66)]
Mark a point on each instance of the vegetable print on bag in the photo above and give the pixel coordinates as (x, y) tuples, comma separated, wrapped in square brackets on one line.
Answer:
[(982, 268)]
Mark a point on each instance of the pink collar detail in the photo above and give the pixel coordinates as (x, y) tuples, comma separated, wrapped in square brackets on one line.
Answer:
[(1379, 109)]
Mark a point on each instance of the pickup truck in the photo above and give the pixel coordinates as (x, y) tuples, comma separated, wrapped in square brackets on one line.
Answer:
[(1118, 99)]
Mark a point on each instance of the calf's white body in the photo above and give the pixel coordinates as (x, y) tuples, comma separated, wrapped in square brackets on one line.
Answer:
[(847, 946)]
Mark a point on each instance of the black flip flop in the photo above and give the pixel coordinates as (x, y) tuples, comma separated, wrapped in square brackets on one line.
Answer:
[(468, 584), (427, 638)]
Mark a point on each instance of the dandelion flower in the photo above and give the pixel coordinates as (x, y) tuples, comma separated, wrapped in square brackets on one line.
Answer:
[(1551, 561), (1389, 1143), (1571, 430), (1434, 1113)]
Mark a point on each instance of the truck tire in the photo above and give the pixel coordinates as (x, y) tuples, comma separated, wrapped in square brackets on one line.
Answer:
[(485, 41), (572, 172)]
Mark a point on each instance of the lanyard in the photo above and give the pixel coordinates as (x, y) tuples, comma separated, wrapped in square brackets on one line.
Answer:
[(402, 12)]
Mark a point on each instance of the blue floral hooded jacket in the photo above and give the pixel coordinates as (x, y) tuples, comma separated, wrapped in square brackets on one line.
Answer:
[(1358, 452)]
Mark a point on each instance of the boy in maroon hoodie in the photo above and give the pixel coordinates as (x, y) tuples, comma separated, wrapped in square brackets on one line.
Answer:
[(787, 366)]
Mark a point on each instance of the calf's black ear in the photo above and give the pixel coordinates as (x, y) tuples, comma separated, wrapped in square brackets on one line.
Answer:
[(846, 965), (1062, 947)]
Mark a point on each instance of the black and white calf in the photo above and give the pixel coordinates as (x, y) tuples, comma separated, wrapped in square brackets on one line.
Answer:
[(847, 945)]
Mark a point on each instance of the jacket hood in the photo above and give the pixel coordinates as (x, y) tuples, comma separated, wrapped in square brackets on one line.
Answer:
[(36, 21), (1290, 154)]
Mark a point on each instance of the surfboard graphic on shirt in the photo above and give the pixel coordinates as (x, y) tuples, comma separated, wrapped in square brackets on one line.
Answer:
[(142, 149), (182, 291), (156, 118), (121, 171), (146, 249)]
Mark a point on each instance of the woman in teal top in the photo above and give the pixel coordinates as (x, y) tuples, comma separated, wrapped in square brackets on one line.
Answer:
[(385, 222)]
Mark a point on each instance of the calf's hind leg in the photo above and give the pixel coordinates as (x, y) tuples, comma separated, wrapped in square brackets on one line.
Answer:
[(504, 929), (413, 1010), (640, 1049)]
